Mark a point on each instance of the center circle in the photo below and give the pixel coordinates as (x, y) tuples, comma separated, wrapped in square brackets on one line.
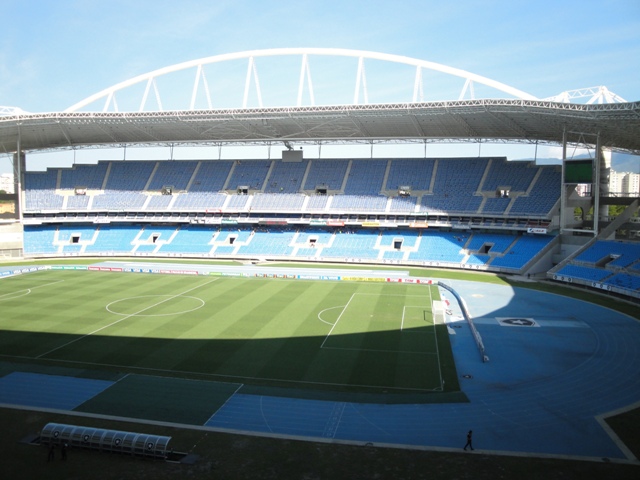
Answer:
[(146, 305)]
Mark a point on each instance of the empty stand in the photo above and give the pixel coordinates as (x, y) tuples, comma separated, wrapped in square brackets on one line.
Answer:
[(126, 199)]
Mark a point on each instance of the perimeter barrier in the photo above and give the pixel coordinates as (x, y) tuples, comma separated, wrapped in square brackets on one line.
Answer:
[(467, 317)]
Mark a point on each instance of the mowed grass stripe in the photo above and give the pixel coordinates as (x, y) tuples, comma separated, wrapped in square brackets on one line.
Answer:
[(161, 398), (260, 331), (52, 315), (273, 317), (301, 333), (131, 326)]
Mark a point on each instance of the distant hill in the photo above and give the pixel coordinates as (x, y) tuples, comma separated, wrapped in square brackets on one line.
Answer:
[(622, 162)]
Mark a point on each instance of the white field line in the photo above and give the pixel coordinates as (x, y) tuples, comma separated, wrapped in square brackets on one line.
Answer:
[(404, 309), (28, 290), (124, 318), (338, 319), (325, 310), (217, 376), (379, 350), (264, 417)]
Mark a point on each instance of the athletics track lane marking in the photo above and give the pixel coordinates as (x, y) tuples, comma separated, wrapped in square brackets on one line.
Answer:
[(124, 318)]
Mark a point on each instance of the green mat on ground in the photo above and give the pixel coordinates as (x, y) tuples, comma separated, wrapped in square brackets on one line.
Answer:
[(161, 398)]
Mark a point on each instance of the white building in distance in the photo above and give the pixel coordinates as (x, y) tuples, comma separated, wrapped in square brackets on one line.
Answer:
[(624, 183)]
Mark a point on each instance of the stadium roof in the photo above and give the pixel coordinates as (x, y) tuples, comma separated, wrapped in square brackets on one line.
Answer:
[(486, 120)]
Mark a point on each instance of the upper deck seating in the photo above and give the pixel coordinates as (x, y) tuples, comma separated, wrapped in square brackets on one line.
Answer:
[(237, 202), (43, 200), (119, 200), (273, 185), (129, 175), (516, 176), (286, 177), (496, 205), (40, 190), (78, 202), (173, 173), (403, 204), (359, 202), (327, 173), (455, 203), (211, 176), (200, 201), (90, 177), (455, 186), (278, 201), (365, 177), (159, 202), (41, 180), (410, 172), (542, 197), (317, 202), (249, 173)]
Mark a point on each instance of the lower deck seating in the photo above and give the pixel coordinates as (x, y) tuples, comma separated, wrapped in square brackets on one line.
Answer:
[(341, 243)]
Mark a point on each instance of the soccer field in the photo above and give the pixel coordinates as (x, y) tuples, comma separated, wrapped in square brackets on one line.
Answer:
[(326, 335)]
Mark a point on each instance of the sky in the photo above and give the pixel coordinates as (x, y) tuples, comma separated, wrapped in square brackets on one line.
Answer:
[(54, 53)]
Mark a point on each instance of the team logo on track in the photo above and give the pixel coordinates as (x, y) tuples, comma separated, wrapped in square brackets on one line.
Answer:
[(517, 322)]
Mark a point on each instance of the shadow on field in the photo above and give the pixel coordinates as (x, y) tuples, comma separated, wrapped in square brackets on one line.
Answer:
[(373, 367)]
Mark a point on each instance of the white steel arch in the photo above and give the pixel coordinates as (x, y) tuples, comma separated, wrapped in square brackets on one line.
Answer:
[(360, 83)]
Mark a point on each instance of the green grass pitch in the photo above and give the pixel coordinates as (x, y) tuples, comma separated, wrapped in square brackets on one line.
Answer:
[(366, 337)]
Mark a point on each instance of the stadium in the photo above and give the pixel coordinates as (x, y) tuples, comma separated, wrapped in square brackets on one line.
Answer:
[(253, 277)]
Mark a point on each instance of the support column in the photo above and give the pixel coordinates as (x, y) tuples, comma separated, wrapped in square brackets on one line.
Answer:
[(563, 194), (18, 169), (595, 185)]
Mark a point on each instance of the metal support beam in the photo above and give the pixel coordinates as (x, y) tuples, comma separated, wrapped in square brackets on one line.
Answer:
[(18, 168), (596, 187)]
